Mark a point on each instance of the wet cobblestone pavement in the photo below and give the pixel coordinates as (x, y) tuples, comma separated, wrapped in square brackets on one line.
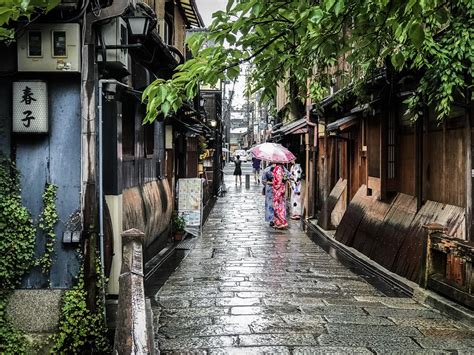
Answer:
[(249, 289)]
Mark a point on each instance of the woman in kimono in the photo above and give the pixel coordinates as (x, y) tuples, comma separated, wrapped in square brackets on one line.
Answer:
[(267, 178), (295, 182), (279, 203)]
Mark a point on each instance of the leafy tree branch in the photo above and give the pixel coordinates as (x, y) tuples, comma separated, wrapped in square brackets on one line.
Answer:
[(293, 39), (14, 10)]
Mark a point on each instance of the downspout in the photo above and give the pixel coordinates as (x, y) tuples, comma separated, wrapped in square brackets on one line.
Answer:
[(89, 80), (101, 176)]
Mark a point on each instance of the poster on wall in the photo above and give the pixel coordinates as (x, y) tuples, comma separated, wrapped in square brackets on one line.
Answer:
[(190, 196)]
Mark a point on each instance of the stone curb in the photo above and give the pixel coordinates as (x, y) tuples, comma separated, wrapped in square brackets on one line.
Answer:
[(412, 289), (152, 265)]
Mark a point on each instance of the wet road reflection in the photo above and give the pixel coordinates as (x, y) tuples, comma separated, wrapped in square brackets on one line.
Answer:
[(248, 289)]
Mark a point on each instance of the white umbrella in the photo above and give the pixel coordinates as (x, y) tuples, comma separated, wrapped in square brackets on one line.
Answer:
[(272, 152)]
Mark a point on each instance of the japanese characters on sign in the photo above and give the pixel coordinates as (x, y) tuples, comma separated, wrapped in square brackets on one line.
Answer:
[(30, 107)]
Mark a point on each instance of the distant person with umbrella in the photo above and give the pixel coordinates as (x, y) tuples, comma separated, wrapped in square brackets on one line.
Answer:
[(277, 154)]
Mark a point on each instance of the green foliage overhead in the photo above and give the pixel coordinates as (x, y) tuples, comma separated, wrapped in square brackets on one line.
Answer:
[(303, 39), (13, 10)]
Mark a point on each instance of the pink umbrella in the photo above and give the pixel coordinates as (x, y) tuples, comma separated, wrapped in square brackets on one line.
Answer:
[(273, 152)]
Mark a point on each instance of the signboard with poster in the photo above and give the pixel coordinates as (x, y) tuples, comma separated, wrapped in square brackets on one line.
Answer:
[(190, 204)]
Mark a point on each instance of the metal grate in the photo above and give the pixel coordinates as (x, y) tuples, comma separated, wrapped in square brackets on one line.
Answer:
[(186, 244)]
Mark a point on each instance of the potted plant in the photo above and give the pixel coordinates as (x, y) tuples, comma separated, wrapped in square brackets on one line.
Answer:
[(178, 226)]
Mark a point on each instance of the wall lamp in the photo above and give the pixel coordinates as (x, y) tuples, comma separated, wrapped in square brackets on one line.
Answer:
[(138, 27)]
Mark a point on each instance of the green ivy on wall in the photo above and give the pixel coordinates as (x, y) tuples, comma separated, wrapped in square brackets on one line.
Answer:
[(12, 341), (17, 231), (80, 330), (17, 242), (48, 219)]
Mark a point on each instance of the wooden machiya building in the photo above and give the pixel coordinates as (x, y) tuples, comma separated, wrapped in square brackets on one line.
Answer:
[(112, 172), (380, 177)]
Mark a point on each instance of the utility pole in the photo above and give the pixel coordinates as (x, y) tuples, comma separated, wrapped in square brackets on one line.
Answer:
[(227, 105)]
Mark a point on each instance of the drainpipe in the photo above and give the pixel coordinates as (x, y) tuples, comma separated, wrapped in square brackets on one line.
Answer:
[(101, 175)]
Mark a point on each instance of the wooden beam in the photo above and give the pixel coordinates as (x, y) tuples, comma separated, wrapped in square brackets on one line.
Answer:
[(419, 163), (308, 195), (383, 154), (469, 191), (325, 223)]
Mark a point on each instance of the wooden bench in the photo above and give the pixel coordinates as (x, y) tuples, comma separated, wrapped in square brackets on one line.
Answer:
[(447, 265)]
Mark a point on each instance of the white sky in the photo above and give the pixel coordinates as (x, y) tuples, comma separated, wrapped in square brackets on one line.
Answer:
[(206, 9)]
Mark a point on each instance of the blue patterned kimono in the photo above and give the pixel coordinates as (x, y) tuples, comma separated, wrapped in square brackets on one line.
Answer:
[(268, 176)]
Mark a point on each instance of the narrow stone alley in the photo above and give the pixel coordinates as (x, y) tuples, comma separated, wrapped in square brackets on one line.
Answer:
[(246, 288)]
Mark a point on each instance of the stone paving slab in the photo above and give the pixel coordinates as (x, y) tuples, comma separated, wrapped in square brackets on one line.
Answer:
[(383, 351), (248, 289), (445, 342), (370, 320), (422, 323), (277, 339), (370, 329), (204, 330), (281, 350), (328, 350), (191, 343), (389, 343)]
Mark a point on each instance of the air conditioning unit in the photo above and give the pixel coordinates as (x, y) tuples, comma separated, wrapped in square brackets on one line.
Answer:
[(50, 48), (114, 33)]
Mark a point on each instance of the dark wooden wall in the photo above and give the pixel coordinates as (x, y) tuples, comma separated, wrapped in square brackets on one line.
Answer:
[(444, 166), (390, 232), (192, 157), (406, 163)]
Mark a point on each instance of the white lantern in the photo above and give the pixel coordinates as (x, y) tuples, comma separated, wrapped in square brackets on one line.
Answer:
[(30, 107)]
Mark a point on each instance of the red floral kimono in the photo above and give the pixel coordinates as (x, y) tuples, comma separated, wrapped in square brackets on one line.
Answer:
[(279, 205)]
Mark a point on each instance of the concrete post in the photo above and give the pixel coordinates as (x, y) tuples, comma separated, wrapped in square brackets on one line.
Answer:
[(131, 335), (247, 181)]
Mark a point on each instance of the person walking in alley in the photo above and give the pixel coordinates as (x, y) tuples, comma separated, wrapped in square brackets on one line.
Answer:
[(279, 203), (295, 182), (267, 181), (256, 169), (238, 169)]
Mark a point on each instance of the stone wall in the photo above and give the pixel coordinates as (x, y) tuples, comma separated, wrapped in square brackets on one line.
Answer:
[(36, 312)]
